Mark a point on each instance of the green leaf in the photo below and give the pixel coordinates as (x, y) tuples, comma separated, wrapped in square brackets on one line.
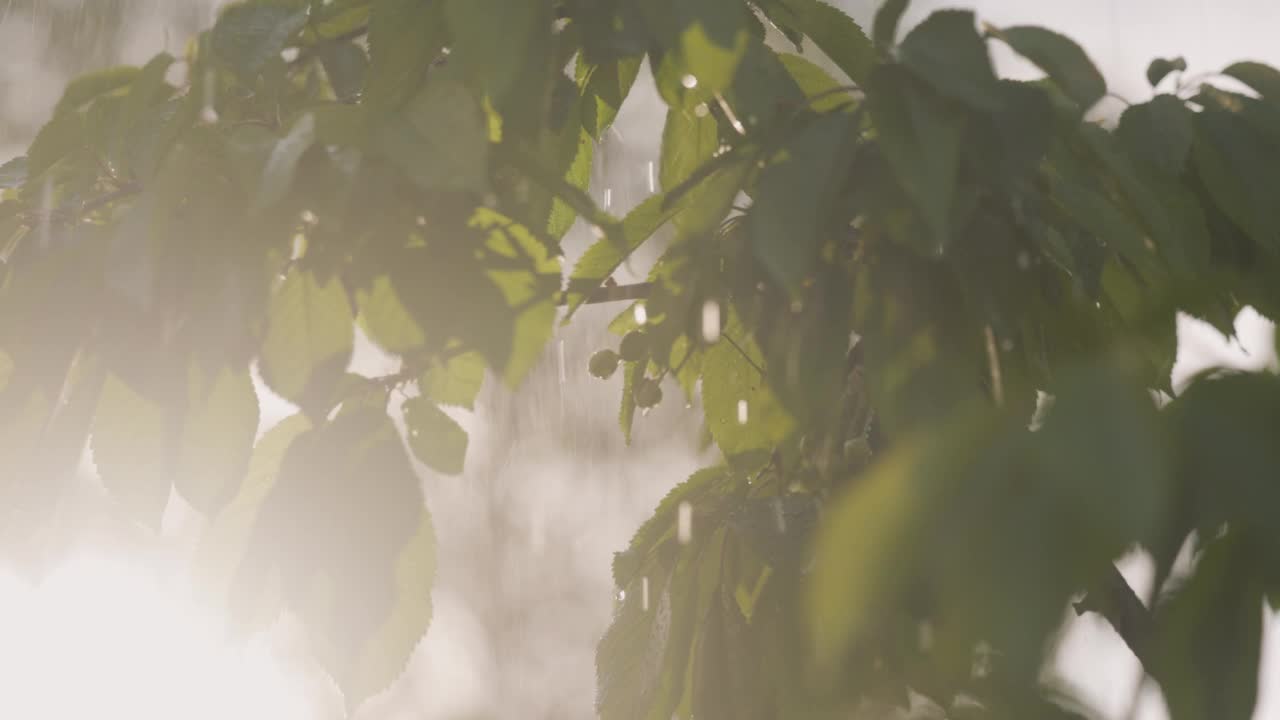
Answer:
[(130, 436), (633, 373), (455, 382), (61, 137), (346, 65), (688, 141), (250, 34), (439, 139), (217, 437), (88, 87), (282, 163), (578, 176), (1264, 79), (1238, 168), (384, 318), (921, 140), (713, 40), (836, 34), (492, 39), (1210, 635), (405, 36), (1158, 132), (434, 437), (604, 88), (1061, 58), (816, 83), (1160, 68), (742, 412), (884, 29), (310, 335), (946, 51), (345, 530), (794, 197)]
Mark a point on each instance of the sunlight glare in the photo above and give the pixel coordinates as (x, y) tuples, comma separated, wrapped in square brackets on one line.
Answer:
[(106, 639)]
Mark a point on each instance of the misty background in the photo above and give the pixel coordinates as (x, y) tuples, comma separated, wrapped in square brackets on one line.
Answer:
[(550, 490)]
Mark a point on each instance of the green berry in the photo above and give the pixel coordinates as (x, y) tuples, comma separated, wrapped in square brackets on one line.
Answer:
[(603, 364), (647, 393), (634, 346)]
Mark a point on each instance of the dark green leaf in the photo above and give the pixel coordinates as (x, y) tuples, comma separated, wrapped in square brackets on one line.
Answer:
[(456, 381), (884, 30), (604, 88), (346, 65), (742, 412), (921, 139), (282, 163), (439, 139), (816, 83), (1158, 133), (713, 40), (13, 173), (836, 34), (1238, 169), (217, 437), (493, 39), (1061, 58), (86, 88), (1264, 79), (946, 51), (1160, 68), (249, 34), (405, 36)]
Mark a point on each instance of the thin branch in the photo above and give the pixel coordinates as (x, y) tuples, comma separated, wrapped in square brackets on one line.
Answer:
[(613, 293), (744, 354)]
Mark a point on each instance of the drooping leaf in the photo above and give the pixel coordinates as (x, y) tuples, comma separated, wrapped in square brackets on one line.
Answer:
[(604, 88), (435, 438), (345, 64), (1237, 168), (86, 88), (825, 92), (713, 40), (310, 335), (1158, 132), (742, 412), (493, 38), (13, 173), (282, 163), (688, 141), (1061, 58)]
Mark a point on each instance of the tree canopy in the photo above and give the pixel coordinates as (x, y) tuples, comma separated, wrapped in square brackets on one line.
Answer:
[(928, 314)]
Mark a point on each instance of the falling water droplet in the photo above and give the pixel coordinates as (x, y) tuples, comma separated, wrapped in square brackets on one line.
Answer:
[(1006, 345), (642, 315), (46, 212), (289, 54), (644, 593), (1024, 260), (563, 372), (299, 247), (421, 221), (689, 82), (308, 217), (711, 321), (608, 198), (701, 110), (742, 412), (208, 113), (684, 523), (779, 520), (653, 178), (924, 636), (622, 595), (797, 306), (597, 231)]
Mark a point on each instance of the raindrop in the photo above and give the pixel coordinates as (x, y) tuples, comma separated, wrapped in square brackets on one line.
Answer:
[(653, 178), (563, 373), (421, 221), (689, 82), (711, 321), (597, 231), (299, 247), (742, 412), (701, 110), (924, 636), (642, 315), (208, 114), (1024, 260), (490, 200), (684, 523), (622, 595), (779, 520), (644, 594), (289, 54), (1006, 345), (309, 217), (46, 212), (608, 198), (797, 306)]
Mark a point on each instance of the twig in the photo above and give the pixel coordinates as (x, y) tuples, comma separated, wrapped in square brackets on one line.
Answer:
[(1116, 601), (744, 354), (613, 293)]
